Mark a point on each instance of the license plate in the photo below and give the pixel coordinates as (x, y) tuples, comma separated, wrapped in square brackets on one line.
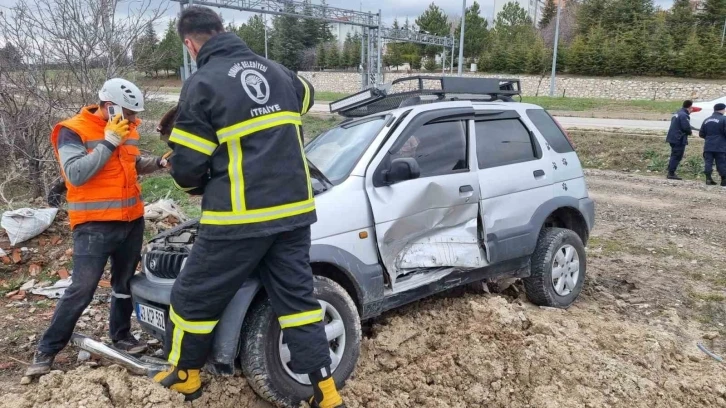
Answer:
[(151, 316)]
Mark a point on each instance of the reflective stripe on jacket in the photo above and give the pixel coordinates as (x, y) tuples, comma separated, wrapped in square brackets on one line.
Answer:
[(113, 193), (238, 139)]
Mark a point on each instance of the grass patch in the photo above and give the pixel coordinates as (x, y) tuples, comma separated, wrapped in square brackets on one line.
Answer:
[(329, 96), (708, 297), (635, 152), (596, 104), (313, 126)]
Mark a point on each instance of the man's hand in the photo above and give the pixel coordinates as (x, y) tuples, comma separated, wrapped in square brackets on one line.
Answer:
[(117, 130), (164, 160)]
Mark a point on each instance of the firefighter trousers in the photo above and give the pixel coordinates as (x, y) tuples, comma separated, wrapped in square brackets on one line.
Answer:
[(214, 272)]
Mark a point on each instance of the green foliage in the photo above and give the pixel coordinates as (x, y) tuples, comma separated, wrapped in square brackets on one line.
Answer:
[(144, 52), (333, 55), (433, 21), (288, 45), (476, 32), (680, 21), (430, 64), (549, 13), (170, 52), (713, 15), (253, 33)]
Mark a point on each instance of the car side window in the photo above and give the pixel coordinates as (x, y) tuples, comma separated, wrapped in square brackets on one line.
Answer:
[(439, 148), (503, 142)]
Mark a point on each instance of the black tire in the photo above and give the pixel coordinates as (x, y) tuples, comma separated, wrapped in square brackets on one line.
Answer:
[(539, 287), (260, 355)]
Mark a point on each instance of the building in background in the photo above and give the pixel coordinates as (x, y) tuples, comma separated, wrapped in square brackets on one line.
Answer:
[(341, 30)]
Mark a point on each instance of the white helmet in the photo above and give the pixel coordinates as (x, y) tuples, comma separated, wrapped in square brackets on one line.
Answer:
[(122, 93)]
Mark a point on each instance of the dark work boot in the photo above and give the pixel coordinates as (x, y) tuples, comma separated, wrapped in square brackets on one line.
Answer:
[(130, 345), (42, 363), (673, 176), (709, 180), (325, 392)]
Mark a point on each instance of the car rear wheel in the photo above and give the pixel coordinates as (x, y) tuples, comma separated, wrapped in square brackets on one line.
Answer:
[(265, 358), (558, 269)]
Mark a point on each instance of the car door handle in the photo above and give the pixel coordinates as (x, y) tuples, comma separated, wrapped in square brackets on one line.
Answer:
[(539, 174), (466, 189)]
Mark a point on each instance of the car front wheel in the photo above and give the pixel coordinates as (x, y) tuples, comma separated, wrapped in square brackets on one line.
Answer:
[(557, 270), (265, 358)]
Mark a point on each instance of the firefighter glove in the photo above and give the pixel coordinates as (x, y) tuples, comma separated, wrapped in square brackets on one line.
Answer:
[(117, 130)]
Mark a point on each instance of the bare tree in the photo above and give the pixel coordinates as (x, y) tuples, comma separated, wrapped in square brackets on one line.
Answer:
[(568, 26), (68, 48)]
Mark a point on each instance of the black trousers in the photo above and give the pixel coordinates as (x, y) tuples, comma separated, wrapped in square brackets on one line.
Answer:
[(93, 244), (677, 151), (719, 158), (213, 273)]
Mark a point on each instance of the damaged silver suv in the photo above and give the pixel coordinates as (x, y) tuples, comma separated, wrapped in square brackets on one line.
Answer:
[(429, 184)]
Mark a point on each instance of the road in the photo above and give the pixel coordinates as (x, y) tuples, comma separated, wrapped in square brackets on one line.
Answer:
[(566, 122)]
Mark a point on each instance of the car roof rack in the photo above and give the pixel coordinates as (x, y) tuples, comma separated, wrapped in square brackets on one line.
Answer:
[(418, 90)]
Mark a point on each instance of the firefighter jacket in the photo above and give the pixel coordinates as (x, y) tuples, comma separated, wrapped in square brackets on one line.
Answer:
[(110, 191), (713, 130), (237, 140)]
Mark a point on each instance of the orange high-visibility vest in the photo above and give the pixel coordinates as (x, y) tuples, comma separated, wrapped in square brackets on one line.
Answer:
[(112, 194)]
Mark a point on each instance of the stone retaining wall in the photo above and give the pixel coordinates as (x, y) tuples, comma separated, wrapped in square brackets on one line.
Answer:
[(581, 87)]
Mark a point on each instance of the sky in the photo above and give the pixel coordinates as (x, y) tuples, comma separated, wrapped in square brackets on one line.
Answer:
[(390, 9)]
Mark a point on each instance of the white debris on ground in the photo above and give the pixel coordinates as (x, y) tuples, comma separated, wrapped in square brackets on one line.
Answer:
[(26, 223), (163, 209)]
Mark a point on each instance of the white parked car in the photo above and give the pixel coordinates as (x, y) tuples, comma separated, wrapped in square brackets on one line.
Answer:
[(706, 110)]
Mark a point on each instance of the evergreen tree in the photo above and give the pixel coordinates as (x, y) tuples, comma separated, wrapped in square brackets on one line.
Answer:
[(589, 15), (322, 56), (288, 45), (661, 53), (354, 58), (477, 31), (680, 21), (10, 56), (430, 64), (333, 55), (714, 14), (433, 21), (253, 33), (537, 58), (689, 62), (170, 51), (623, 15), (144, 52), (549, 13)]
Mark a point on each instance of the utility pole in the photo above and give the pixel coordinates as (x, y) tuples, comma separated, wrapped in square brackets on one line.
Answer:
[(461, 38), (723, 33), (554, 53), (265, 20)]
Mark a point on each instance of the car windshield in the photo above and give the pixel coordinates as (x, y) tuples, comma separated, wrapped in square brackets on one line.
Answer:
[(337, 151)]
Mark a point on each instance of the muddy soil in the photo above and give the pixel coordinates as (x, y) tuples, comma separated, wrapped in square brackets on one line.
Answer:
[(655, 288)]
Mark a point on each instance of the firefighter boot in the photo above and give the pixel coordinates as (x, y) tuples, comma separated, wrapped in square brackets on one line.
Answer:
[(673, 176), (325, 393), (186, 382), (709, 180)]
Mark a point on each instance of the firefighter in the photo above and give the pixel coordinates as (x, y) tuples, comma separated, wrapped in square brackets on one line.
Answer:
[(713, 130), (100, 160), (677, 137), (237, 140)]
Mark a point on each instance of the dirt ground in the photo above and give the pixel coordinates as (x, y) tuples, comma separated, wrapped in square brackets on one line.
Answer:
[(655, 288)]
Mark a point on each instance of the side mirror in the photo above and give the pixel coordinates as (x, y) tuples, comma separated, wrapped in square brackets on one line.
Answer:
[(402, 169)]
